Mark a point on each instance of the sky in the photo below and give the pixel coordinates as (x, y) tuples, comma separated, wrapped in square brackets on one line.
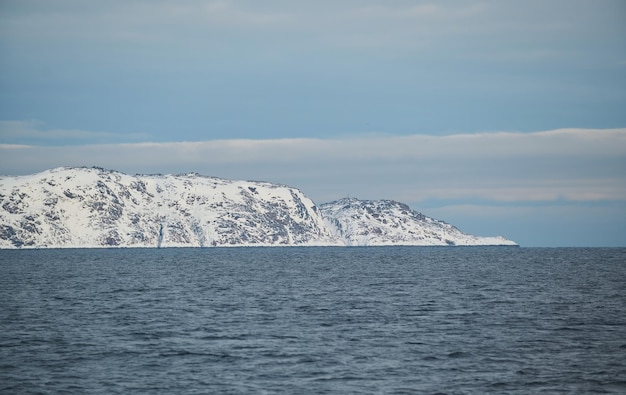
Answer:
[(500, 117)]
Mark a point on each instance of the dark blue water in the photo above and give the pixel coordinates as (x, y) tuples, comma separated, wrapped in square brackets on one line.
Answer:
[(313, 320)]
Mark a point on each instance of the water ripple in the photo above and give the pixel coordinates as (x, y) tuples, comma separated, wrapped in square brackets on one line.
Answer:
[(313, 320)]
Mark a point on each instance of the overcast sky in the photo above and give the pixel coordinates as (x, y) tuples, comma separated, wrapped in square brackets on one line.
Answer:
[(501, 117)]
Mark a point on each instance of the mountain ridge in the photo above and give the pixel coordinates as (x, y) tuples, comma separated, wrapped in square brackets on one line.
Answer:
[(91, 207)]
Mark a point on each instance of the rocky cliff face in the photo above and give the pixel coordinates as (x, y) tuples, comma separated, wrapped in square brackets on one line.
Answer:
[(92, 207)]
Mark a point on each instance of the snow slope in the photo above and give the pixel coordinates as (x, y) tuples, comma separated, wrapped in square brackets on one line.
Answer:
[(91, 207), (94, 207), (386, 222)]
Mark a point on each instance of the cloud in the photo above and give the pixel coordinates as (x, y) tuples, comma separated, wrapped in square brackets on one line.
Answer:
[(401, 24), (542, 225), (425, 12), (559, 165), (24, 132), (225, 13)]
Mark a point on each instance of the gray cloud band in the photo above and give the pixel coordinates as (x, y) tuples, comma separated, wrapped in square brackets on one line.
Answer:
[(569, 164)]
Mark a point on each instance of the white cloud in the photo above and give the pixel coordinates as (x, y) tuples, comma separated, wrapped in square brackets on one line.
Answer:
[(568, 164)]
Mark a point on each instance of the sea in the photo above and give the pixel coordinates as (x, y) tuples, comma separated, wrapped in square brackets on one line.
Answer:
[(313, 320)]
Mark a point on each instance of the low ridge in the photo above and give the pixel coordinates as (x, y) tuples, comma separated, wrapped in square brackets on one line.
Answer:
[(387, 222)]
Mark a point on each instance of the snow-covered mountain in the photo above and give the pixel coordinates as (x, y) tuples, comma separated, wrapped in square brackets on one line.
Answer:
[(386, 222), (93, 207)]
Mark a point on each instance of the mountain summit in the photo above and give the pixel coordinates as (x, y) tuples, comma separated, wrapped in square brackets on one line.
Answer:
[(94, 207)]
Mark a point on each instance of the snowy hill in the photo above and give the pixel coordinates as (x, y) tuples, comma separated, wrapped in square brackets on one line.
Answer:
[(93, 207), (386, 222), (80, 207)]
